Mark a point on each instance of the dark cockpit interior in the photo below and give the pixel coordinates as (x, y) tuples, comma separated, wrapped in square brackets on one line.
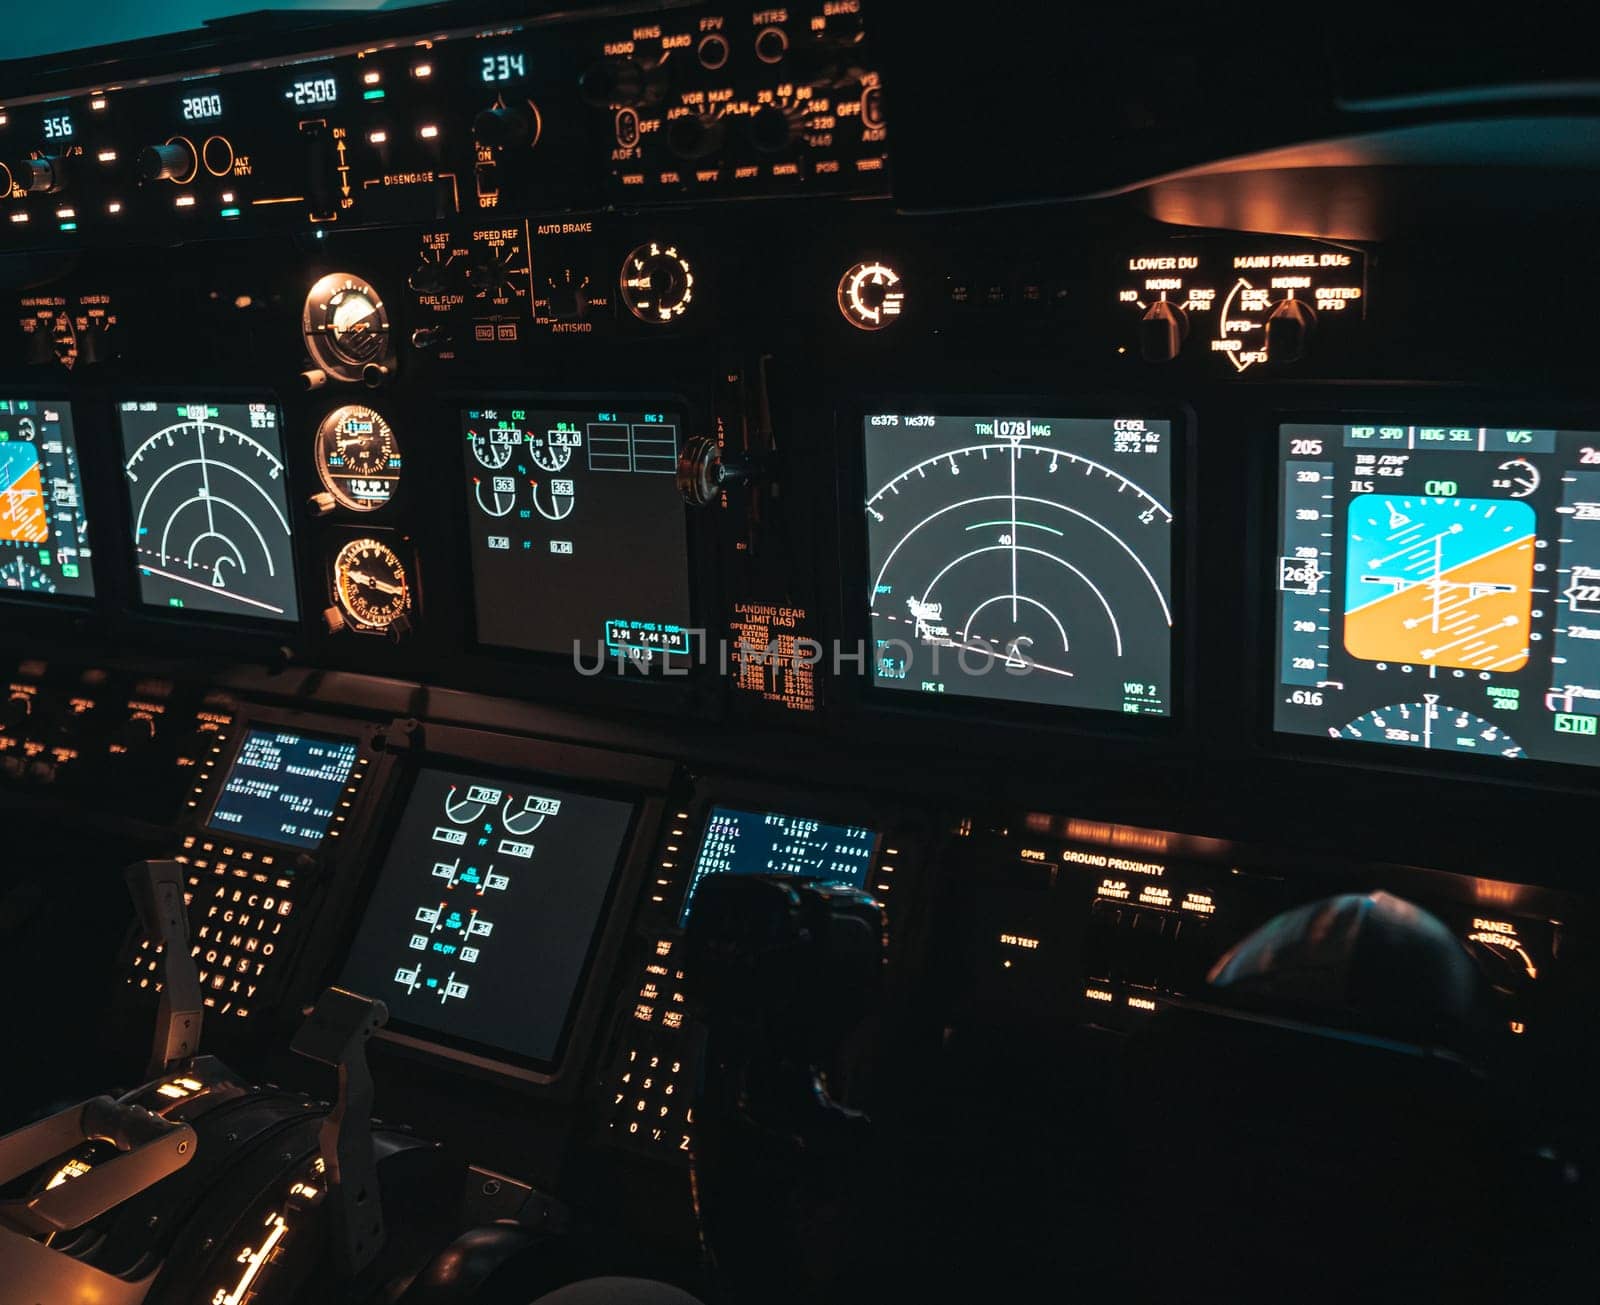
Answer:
[(674, 652)]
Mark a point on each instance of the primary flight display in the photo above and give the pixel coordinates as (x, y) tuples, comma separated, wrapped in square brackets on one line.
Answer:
[(1439, 587), (210, 508), (44, 527), (1022, 558)]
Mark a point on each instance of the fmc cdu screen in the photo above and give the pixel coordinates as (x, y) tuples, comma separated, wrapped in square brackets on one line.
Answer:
[(283, 787)]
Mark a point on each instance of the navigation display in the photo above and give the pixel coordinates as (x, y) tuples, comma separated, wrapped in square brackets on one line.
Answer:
[(1021, 558), (44, 528), (486, 911), (209, 506), (579, 538), (770, 843), (284, 787), (1439, 587)]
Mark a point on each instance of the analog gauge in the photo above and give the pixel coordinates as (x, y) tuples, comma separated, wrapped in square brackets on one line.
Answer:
[(870, 296), (551, 450), (345, 326), (1430, 724), (657, 283), (1519, 476), (20, 576), (492, 446), (358, 457), (371, 587)]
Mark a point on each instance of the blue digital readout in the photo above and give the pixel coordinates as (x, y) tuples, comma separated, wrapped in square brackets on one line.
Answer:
[(771, 843), (310, 92), (284, 787), (504, 66)]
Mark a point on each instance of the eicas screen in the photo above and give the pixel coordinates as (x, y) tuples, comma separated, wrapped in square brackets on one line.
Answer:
[(579, 537), (1022, 559), (209, 506), (44, 527), (1438, 588), (484, 915), (771, 843), (283, 787)]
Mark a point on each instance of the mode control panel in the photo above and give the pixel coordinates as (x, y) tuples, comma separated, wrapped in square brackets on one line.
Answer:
[(547, 114)]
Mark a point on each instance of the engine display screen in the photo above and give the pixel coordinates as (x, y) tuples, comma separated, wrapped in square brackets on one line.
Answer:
[(485, 913), (1022, 559), (579, 537), (209, 507), (44, 527), (770, 843), (284, 787), (1439, 588)]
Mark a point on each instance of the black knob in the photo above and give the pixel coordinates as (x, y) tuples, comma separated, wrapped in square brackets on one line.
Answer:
[(1290, 325), (1162, 331), (613, 83), (95, 343), (568, 300), (771, 129), (174, 161), (501, 128), (432, 278), (45, 174), (695, 137)]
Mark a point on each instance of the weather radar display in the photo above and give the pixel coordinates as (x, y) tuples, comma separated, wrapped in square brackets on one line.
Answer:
[(1022, 559), (44, 529), (1439, 588), (209, 507)]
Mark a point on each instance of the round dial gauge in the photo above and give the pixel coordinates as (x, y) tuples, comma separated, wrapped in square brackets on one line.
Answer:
[(371, 586), (1433, 725), (345, 326), (657, 283), (551, 450), (358, 457), (870, 296), (21, 576), (494, 445)]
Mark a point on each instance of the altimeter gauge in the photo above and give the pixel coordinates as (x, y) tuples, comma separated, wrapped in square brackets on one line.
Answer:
[(371, 589), (358, 457), (871, 296)]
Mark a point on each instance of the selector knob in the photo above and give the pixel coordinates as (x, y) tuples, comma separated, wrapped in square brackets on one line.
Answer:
[(1162, 331), (174, 161), (614, 83), (500, 128), (696, 136), (771, 129), (43, 175), (1290, 326)]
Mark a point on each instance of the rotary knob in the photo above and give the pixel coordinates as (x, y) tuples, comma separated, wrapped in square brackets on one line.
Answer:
[(44, 174), (502, 127), (1162, 331), (772, 130), (1290, 326), (696, 136), (175, 161)]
